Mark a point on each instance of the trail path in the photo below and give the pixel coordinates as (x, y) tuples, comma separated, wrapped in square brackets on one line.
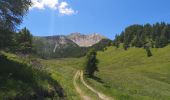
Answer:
[(100, 95), (79, 75), (82, 95)]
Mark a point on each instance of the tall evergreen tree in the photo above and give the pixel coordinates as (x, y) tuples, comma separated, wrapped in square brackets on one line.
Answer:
[(91, 63), (11, 15), (121, 37), (6, 39), (148, 51), (12, 12), (137, 42), (24, 41), (117, 41)]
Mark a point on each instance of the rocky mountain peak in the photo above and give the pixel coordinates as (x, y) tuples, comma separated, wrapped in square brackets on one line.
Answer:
[(85, 40)]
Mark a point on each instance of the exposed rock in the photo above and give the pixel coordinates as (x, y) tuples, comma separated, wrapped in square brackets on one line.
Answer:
[(85, 40)]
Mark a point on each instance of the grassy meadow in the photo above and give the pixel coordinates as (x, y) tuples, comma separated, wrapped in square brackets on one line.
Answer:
[(131, 75), (123, 75), (63, 70)]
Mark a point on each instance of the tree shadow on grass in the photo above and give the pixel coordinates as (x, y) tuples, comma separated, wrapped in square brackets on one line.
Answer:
[(100, 81), (97, 79), (105, 84)]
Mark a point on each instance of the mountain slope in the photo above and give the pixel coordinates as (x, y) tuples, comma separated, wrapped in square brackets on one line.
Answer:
[(56, 47), (67, 46)]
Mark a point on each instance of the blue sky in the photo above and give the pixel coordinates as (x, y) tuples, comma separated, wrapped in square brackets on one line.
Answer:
[(108, 17)]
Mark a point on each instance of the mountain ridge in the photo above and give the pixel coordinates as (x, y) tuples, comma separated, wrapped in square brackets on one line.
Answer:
[(62, 46), (86, 40)]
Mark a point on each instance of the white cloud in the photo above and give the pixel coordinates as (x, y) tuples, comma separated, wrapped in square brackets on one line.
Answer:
[(42, 4), (65, 10), (62, 7)]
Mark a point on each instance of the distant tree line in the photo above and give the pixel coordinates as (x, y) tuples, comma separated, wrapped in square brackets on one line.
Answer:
[(155, 36), (102, 45)]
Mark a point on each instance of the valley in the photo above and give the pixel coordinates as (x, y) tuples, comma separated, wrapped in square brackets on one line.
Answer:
[(96, 50), (61, 72), (123, 75)]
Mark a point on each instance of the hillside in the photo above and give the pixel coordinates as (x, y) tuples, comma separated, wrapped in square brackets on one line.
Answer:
[(147, 35), (131, 75), (57, 47), (123, 75), (24, 78)]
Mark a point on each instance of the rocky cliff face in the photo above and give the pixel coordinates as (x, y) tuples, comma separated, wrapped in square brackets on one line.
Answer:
[(85, 40), (61, 42)]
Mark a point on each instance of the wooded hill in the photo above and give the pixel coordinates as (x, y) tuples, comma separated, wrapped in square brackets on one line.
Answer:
[(156, 36)]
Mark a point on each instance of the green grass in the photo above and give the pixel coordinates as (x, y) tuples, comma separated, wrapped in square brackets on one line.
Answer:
[(63, 70), (123, 75), (131, 75)]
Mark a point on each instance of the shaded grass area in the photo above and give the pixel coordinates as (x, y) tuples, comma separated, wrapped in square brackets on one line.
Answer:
[(63, 70), (131, 75), (20, 80)]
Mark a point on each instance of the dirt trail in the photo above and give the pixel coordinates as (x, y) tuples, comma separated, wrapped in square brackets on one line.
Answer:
[(77, 77), (100, 95)]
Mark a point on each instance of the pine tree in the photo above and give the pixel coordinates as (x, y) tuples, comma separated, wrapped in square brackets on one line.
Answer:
[(117, 41), (91, 63), (6, 39), (24, 41), (148, 51), (125, 46), (137, 42), (11, 15), (12, 12), (157, 42), (164, 37)]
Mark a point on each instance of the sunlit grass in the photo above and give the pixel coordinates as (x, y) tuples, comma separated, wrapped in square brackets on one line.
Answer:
[(131, 75)]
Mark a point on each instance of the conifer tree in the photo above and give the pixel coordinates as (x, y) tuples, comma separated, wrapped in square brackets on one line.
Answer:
[(24, 41), (91, 63), (148, 51)]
